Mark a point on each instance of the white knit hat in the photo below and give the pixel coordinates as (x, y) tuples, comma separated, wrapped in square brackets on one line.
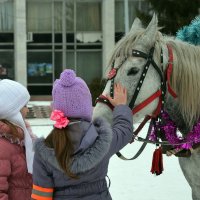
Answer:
[(13, 97)]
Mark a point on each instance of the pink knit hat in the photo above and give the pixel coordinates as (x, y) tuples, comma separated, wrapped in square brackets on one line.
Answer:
[(72, 96)]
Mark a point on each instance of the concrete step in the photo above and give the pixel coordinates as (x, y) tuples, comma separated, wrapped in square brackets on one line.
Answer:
[(41, 98), (38, 112)]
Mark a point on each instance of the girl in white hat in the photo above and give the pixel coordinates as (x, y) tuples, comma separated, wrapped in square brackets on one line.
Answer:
[(16, 155)]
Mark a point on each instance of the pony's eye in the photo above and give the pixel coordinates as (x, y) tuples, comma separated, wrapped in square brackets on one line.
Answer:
[(133, 71)]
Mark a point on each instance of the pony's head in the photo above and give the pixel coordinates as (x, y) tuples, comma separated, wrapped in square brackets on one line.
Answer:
[(130, 67), (140, 62)]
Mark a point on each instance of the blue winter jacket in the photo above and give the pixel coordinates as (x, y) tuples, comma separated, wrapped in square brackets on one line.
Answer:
[(94, 145)]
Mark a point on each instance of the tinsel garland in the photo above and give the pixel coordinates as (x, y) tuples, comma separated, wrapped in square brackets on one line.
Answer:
[(169, 128)]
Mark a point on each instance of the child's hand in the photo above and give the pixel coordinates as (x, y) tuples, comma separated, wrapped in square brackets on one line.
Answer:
[(120, 95)]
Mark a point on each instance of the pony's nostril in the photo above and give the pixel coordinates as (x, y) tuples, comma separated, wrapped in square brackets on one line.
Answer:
[(133, 71)]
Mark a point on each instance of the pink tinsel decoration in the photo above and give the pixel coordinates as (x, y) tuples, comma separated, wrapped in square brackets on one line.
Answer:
[(169, 128)]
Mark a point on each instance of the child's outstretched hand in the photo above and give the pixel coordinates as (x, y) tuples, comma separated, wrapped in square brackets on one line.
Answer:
[(120, 95)]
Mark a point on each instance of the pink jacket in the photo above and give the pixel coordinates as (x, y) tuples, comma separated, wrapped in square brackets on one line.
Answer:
[(15, 181)]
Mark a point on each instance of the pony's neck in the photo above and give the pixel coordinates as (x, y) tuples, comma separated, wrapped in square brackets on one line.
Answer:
[(172, 108)]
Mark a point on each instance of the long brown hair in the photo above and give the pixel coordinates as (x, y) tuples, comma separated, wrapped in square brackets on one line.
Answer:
[(60, 141), (13, 130)]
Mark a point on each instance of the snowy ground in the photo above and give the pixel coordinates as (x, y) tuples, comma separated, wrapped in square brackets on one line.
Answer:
[(132, 180)]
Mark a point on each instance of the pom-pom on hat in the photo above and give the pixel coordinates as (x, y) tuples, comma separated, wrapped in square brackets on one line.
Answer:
[(72, 96)]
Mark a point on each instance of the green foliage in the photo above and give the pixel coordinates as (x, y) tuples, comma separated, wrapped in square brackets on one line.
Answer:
[(172, 14), (96, 87)]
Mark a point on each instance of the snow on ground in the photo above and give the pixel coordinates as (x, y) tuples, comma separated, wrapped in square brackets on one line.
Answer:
[(132, 180)]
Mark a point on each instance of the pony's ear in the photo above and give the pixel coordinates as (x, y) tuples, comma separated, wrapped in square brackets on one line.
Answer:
[(151, 31), (136, 24), (153, 23)]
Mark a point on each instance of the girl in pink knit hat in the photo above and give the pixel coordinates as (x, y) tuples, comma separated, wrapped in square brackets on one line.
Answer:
[(72, 162), (16, 155)]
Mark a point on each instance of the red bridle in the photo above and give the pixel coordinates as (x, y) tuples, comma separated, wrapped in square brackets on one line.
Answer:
[(159, 92)]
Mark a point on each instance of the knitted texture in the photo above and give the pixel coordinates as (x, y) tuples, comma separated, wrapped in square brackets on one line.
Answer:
[(72, 96)]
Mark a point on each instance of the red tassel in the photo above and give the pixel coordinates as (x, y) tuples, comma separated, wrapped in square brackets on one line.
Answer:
[(157, 162)]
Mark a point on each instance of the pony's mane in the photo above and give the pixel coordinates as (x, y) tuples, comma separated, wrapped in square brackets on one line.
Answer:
[(186, 70), (186, 78)]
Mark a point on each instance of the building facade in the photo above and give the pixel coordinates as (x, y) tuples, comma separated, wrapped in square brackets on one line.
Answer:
[(38, 39)]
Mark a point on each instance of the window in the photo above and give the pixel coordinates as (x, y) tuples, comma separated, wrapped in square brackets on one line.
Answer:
[(40, 68), (88, 16), (39, 16), (58, 62), (133, 6), (89, 65), (7, 64), (6, 16)]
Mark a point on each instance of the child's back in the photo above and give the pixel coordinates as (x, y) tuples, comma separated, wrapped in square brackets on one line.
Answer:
[(83, 176)]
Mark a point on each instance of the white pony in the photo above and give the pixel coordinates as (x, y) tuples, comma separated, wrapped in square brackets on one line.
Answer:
[(140, 62)]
